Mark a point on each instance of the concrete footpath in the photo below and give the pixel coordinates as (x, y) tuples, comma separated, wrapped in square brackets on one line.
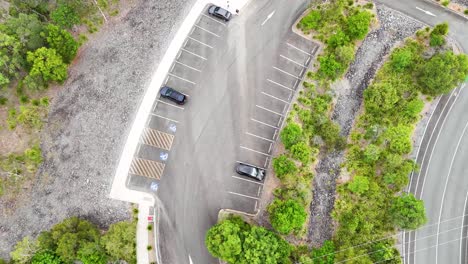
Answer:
[(119, 189)]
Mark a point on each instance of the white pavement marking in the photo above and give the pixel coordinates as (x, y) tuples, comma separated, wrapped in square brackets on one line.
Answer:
[(206, 30), (274, 97), (180, 78), (258, 192), (260, 122), (250, 164), (215, 20), (253, 150), (293, 61), (266, 162), (161, 101), (194, 54), (259, 183), (425, 11), (461, 231), (280, 85), (266, 109), (294, 47), (445, 189), (269, 148), (175, 121), (185, 65), (268, 17), (190, 259), (167, 79), (204, 44), (243, 195), (285, 72), (253, 135)]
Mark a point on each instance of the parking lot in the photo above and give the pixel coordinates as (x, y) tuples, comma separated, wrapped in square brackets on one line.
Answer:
[(149, 164), (272, 101)]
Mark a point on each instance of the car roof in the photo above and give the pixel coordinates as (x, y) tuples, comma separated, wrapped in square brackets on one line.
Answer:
[(246, 168)]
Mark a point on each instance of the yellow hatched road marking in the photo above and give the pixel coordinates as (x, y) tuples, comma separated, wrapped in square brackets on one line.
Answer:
[(147, 168), (157, 139)]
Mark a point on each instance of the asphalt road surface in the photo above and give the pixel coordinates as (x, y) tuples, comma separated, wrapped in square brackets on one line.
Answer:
[(240, 78), (443, 156)]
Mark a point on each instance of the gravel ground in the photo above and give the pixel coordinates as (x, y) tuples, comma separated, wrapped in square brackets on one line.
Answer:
[(394, 27), (461, 2), (89, 122)]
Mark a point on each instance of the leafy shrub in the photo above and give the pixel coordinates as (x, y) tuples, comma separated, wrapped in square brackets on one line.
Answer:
[(358, 25), (338, 39), (311, 21), (302, 152), (408, 212), (224, 240), (47, 64), (291, 134), (399, 139), (436, 40), (286, 216), (282, 165), (65, 16), (119, 241), (62, 41), (329, 67), (401, 59), (359, 185), (325, 254), (45, 257)]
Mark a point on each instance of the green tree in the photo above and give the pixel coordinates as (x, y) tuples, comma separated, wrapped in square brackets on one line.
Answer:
[(11, 58), (441, 29), (385, 252), (26, 29), (359, 185), (282, 165), (62, 41), (399, 138), (325, 254), (329, 67), (264, 247), (345, 54), (401, 59), (301, 151), (408, 212), (338, 39), (47, 64), (224, 240), (286, 216), (371, 153), (380, 97), (65, 16), (311, 21), (24, 251), (443, 72), (291, 134), (45, 257), (119, 242), (358, 25), (92, 253)]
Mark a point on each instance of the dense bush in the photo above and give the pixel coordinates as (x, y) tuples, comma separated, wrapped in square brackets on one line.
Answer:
[(358, 25), (286, 216), (47, 65), (359, 185), (302, 152), (119, 242), (408, 212), (62, 41), (282, 165), (65, 16), (291, 134)]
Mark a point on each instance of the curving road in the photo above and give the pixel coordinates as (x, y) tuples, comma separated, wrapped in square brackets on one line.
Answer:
[(443, 156)]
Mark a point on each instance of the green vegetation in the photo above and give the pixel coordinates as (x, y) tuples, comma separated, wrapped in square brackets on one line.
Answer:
[(286, 216), (370, 206), (76, 239)]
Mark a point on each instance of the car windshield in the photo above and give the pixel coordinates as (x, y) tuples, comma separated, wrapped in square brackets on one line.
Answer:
[(217, 9), (253, 172), (168, 92)]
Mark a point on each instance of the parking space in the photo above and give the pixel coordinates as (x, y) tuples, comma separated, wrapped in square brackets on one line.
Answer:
[(156, 141)]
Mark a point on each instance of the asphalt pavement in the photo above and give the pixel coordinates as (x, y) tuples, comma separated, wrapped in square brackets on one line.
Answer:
[(239, 77), (441, 182)]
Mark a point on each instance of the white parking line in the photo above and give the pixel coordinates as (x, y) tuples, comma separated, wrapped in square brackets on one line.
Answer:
[(253, 135), (269, 148), (259, 183), (287, 73), (293, 61), (260, 122), (258, 192), (253, 150), (305, 52), (266, 162), (175, 76), (250, 164), (190, 67), (196, 55), (167, 79), (266, 109), (214, 19), (214, 34), (243, 195), (280, 85), (175, 121), (201, 42), (170, 104), (286, 102)]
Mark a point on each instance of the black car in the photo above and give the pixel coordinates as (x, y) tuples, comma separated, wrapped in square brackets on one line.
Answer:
[(250, 171), (171, 94), (219, 12)]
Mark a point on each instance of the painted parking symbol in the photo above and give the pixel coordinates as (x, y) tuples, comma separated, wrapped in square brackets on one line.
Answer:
[(172, 127), (163, 156), (154, 186)]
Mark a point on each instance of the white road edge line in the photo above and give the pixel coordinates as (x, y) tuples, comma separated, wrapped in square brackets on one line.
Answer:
[(243, 195), (196, 55), (263, 168), (256, 151), (213, 19), (292, 46), (266, 109), (274, 97), (178, 77), (285, 72), (260, 122), (461, 231), (212, 33), (445, 189), (293, 61), (161, 101), (253, 135), (196, 40), (280, 85), (190, 67), (175, 121), (259, 183)]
